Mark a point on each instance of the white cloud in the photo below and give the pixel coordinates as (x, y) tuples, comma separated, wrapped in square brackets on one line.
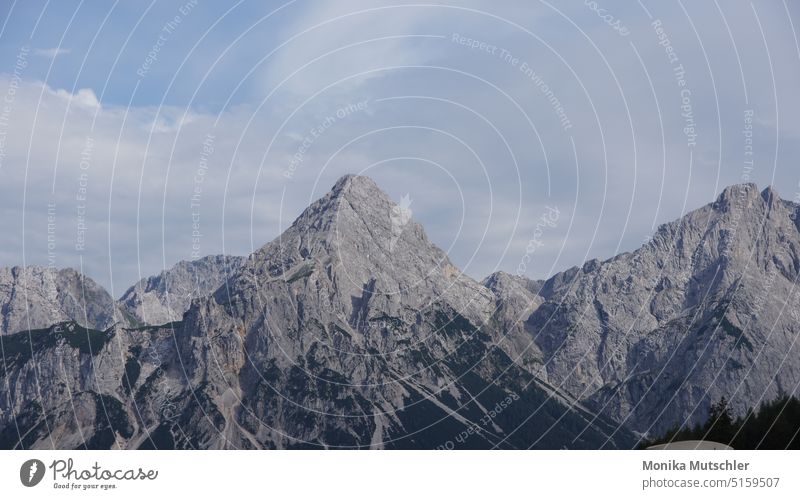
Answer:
[(52, 53), (84, 97), (111, 180), (165, 123)]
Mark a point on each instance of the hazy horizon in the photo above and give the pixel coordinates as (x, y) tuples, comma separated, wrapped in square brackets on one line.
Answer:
[(474, 277)]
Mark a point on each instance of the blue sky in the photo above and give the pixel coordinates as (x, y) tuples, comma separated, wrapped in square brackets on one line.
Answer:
[(462, 106)]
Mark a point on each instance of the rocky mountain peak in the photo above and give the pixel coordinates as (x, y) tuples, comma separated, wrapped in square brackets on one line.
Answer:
[(737, 196), (708, 282), (356, 227), (36, 297), (358, 184), (725, 232), (356, 206), (164, 297), (362, 246), (747, 197)]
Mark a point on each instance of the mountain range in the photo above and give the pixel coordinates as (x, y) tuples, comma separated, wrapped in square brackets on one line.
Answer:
[(353, 330)]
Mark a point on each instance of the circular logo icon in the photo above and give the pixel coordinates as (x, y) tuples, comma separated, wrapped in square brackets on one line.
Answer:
[(31, 472)]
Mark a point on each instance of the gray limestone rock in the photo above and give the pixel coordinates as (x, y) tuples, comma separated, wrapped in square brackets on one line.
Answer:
[(707, 309), (165, 297), (37, 297)]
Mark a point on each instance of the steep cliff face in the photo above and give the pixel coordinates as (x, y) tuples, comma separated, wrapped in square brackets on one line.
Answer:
[(70, 387), (349, 330), (706, 309), (165, 297), (516, 297), (38, 297)]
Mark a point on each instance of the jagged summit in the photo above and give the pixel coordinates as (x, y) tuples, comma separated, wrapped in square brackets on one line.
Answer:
[(36, 297), (697, 305), (747, 196), (356, 206), (358, 227), (358, 191), (500, 279), (359, 242), (164, 297)]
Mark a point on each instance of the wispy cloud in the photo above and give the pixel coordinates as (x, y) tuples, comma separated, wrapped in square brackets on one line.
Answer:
[(52, 53), (84, 97)]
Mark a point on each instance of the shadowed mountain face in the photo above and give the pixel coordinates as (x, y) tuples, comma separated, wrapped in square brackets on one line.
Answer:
[(352, 330), (349, 330)]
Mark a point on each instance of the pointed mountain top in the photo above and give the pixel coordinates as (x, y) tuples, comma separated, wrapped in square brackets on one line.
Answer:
[(736, 191), (351, 181), (355, 221), (361, 192), (354, 199), (737, 196), (355, 243)]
